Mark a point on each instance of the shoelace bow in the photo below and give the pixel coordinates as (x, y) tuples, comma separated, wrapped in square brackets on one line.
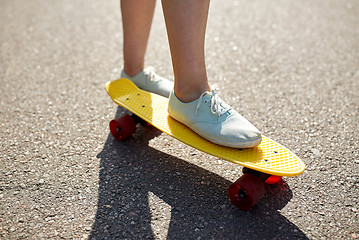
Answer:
[(216, 106), (151, 74)]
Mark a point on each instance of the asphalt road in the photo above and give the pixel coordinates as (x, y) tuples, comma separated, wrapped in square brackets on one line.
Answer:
[(290, 67)]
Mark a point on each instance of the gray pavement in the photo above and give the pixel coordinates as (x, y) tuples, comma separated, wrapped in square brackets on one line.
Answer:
[(290, 67)]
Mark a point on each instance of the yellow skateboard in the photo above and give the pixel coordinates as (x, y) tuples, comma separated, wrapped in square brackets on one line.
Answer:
[(266, 163)]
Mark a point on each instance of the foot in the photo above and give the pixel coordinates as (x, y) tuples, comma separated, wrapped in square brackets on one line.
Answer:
[(149, 81), (213, 119)]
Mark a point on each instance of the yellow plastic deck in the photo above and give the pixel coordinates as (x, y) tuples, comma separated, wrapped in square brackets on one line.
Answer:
[(269, 157)]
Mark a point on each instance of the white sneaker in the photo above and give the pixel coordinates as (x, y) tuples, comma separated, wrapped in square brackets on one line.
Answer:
[(149, 81), (213, 119)]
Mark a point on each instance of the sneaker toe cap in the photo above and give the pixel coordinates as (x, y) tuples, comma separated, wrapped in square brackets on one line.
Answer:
[(232, 136), (241, 137)]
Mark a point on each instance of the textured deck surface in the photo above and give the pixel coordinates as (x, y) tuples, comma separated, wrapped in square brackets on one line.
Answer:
[(269, 157)]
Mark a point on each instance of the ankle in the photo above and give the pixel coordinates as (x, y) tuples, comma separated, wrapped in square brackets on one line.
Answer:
[(132, 71), (190, 94)]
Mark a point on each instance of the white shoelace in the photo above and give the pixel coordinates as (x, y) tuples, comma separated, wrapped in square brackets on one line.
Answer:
[(151, 74), (216, 106)]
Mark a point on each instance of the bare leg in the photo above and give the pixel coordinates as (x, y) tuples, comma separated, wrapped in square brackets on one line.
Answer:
[(186, 22), (136, 20)]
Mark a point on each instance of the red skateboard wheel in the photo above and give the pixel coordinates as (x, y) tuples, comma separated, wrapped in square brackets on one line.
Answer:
[(122, 127), (273, 179), (246, 191)]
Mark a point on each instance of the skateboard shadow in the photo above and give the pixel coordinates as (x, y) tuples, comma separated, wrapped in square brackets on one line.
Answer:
[(192, 199)]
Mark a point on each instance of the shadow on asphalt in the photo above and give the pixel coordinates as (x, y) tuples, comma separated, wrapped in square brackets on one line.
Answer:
[(199, 205)]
